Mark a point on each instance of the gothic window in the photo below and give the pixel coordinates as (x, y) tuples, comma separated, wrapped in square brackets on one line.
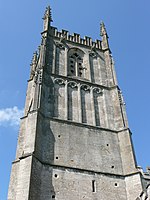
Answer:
[(75, 63)]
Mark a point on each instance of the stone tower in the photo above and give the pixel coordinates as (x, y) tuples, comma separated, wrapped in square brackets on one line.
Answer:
[(74, 141)]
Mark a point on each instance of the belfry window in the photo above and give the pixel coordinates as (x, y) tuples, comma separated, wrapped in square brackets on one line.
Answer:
[(75, 63)]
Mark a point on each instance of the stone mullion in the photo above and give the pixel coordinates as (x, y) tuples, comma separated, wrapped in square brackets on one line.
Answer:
[(99, 68), (66, 101), (79, 103), (93, 107), (105, 108)]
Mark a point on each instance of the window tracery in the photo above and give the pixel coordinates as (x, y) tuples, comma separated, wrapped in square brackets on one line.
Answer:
[(75, 63)]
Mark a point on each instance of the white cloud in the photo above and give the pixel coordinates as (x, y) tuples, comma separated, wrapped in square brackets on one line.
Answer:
[(10, 116)]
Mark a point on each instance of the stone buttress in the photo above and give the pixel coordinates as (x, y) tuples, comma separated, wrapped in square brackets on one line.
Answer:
[(74, 141)]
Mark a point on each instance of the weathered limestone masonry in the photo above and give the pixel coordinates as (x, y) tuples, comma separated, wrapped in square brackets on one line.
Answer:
[(74, 141)]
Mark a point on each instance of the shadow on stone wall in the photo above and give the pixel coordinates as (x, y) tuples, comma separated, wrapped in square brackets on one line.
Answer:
[(42, 173)]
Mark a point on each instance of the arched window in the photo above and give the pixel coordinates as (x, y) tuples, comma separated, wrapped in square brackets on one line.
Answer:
[(75, 63)]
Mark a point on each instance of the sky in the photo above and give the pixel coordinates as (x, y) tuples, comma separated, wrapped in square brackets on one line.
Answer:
[(127, 23)]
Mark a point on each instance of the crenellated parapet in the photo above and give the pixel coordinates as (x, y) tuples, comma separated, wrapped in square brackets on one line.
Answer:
[(85, 76), (75, 37), (74, 140)]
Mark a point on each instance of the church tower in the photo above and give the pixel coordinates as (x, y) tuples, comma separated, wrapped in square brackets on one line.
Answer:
[(74, 141)]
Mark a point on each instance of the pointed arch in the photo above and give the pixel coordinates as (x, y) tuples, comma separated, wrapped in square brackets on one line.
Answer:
[(75, 63)]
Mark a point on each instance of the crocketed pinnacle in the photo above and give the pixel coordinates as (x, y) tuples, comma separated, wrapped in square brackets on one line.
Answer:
[(48, 14), (102, 29), (34, 59)]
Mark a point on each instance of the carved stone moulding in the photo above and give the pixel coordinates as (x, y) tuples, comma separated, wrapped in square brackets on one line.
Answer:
[(93, 54), (72, 84), (85, 87), (59, 81), (60, 45), (97, 90), (38, 76)]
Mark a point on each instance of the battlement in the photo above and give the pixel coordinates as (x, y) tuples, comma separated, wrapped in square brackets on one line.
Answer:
[(75, 37)]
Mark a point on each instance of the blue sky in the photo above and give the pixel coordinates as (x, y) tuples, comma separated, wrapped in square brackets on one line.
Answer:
[(127, 23)]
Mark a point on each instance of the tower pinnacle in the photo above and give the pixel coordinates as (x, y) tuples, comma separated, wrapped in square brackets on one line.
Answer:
[(74, 141), (103, 29), (103, 34), (47, 18)]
